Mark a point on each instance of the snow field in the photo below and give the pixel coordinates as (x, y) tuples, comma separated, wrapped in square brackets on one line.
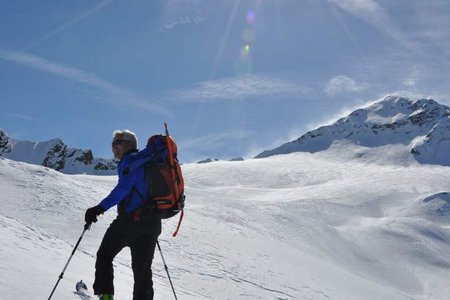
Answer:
[(298, 226)]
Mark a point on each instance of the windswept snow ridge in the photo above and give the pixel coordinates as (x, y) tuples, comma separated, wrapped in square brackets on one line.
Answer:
[(421, 126)]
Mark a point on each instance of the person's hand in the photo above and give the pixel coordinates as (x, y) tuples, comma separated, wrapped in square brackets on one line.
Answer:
[(92, 213)]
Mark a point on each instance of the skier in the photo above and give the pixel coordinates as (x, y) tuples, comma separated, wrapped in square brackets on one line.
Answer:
[(136, 225)]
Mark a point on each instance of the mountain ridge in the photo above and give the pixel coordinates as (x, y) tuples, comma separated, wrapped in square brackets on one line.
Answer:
[(55, 154), (421, 125)]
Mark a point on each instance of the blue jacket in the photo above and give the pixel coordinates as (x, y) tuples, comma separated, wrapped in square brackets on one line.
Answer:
[(132, 186)]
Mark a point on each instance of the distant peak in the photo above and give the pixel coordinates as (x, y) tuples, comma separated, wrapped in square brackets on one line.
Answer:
[(420, 124), (56, 155)]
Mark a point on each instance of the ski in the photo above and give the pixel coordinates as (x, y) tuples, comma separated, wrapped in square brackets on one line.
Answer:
[(82, 291)]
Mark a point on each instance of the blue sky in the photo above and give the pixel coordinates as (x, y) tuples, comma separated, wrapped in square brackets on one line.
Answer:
[(231, 77)]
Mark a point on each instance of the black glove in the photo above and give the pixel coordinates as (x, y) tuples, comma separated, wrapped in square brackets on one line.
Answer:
[(92, 213)]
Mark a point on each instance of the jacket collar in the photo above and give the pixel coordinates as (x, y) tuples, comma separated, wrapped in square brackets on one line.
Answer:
[(126, 154), (131, 151)]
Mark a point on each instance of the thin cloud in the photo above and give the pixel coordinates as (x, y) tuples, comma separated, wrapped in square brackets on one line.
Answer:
[(68, 24), (373, 13), (182, 13), (342, 84), (119, 95), (421, 58), (22, 117), (183, 21), (413, 77), (368, 9), (430, 36), (240, 88)]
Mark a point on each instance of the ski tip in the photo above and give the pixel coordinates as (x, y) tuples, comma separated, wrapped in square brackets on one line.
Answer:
[(80, 285)]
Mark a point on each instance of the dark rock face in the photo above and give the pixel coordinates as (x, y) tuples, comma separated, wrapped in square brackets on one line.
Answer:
[(105, 165), (237, 159), (56, 157), (208, 160), (86, 157), (5, 147)]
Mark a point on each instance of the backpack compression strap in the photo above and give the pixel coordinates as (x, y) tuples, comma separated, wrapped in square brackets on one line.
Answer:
[(174, 176)]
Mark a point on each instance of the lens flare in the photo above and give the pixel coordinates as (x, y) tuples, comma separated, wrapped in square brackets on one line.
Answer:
[(251, 17), (245, 51), (244, 65), (248, 35)]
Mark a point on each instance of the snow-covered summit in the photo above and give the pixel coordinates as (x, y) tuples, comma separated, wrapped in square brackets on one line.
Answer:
[(421, 125), (56, 155)]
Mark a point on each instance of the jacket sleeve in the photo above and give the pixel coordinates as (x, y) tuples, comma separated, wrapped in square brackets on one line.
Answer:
[(121, 191)]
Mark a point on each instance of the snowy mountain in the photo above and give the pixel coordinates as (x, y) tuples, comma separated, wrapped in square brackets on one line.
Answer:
[(365, 219), (297, 226), (422, 126), (56, 155)]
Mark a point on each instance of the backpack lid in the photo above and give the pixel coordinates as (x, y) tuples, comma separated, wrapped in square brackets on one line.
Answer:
[(159, 139)]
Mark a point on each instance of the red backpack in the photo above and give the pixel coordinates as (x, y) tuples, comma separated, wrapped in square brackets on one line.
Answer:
[(166, 179)]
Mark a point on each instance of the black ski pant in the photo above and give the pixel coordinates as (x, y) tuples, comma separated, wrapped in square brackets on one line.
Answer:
[(141, 236)]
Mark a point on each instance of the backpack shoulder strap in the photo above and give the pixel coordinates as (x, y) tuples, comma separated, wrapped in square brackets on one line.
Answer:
[(156, 151), (140, 159)]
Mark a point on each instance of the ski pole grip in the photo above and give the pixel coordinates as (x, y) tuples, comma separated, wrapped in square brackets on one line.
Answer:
[(87, 226)]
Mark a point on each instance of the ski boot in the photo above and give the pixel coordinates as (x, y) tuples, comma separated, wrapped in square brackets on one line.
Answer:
[(106, 297)]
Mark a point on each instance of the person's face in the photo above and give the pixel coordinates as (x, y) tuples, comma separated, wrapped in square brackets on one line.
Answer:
[(120, 147)]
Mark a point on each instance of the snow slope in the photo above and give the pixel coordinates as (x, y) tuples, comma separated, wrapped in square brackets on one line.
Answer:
[(300, 226), (422, 126)]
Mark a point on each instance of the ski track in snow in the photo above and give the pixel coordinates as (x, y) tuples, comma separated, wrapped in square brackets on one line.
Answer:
[(298, 226)]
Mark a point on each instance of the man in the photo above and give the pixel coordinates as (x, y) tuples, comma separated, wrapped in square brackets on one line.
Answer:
[(136, 226)]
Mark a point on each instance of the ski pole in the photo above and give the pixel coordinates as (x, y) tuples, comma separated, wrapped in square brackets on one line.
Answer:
[(167, 269), (86, 227)]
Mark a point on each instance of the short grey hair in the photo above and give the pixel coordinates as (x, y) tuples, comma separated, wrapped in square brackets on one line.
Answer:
[(128, 136)]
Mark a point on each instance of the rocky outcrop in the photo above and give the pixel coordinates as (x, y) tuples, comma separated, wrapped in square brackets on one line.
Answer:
[(4, 142), (56, 156), (207, 160), (85, 158)]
